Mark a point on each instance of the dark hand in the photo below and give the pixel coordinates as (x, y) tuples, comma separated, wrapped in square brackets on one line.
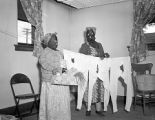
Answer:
[(106, 55), (64, 70)]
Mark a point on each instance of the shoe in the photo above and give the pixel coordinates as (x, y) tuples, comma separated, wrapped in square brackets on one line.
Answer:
[(88, 113), (77, 109), (100, 113)]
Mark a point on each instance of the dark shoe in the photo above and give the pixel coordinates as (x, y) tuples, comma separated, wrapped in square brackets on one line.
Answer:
[(77, 109), (88, 113), (100, 113)]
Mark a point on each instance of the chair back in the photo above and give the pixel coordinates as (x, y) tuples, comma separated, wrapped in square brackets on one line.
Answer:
[(142, 79), (20, 78), (142, 68), (22, 89), (146, 82)]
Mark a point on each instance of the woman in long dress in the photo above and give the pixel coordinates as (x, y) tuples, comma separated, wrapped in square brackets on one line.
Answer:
[(54, 99), (93, 48)]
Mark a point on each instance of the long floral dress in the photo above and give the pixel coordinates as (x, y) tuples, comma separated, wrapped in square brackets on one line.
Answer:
[(54, 99), (98, 88)]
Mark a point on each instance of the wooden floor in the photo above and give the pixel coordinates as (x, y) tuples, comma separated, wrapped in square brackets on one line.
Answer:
[(120, 115)]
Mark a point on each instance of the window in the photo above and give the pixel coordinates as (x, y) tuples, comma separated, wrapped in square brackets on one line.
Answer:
[(149, 32), (149, 28), (25, 31)]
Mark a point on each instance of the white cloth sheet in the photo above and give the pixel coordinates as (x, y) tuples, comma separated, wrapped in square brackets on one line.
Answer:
[(78, 61), (85, 63), (115, 73)]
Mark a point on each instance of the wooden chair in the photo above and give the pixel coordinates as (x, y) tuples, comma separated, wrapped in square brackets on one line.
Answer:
[(16, 81), (143, 82)]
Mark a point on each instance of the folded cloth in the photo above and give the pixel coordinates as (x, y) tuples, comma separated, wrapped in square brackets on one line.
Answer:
[(67, 78), (70, 77)]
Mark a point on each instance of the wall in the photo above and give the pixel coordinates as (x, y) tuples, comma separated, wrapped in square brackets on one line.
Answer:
[(11, 60), (113, 23), (56, 20), (114, 26)]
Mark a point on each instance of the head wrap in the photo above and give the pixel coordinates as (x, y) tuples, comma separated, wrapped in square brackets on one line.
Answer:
[(47, 37), (91, 28), (90, 35)]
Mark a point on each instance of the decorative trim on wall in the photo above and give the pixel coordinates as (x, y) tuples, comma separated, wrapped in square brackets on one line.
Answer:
[(24, 47)]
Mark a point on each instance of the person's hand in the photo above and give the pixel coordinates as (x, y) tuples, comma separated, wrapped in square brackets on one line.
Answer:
[(106, 55), (64, 70)]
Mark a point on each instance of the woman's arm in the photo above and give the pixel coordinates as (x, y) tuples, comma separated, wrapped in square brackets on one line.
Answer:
[(84, 49), (43, 60), (101, 51)]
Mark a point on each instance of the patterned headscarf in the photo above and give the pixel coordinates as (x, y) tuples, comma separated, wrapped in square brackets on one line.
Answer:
[(91, 28), (47, 37)]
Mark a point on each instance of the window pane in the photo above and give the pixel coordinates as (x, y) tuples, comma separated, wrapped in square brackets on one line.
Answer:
[(24, 32), (149, 28)]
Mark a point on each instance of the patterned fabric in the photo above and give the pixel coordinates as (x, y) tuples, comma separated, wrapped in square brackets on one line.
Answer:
[(54, 102), (46, 38), (98, 88), (33, 11), (143, 13), (50, 61), (91, 28), (55, 99)]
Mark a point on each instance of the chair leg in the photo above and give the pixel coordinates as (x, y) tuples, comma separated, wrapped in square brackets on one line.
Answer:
[(32, 107), (37, 105), (135, 99), (143, 100), (17, 111), (17, 108), (149, 100)]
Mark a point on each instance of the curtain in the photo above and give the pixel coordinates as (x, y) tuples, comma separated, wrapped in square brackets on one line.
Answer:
[(33, 11), (144, 11)]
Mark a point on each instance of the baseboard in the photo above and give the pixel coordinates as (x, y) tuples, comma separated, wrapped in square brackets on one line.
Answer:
[(11, 110)]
